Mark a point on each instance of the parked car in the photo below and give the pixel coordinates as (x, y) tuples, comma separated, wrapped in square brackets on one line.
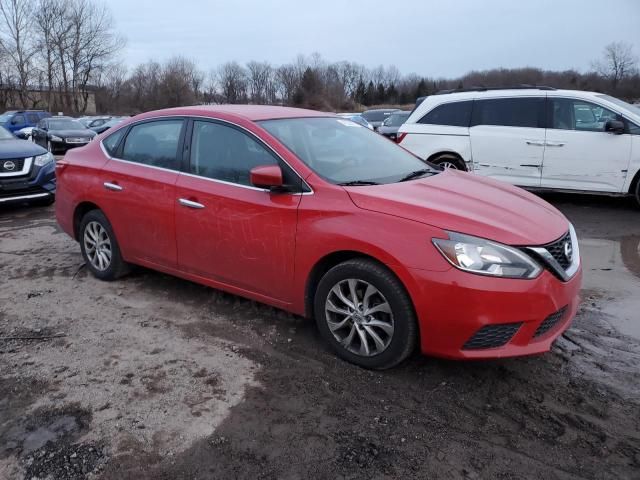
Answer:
[(356, 117), (299, 210), (14, 120), (59, 134), (112, 122), (390, 126), (24, 133), (376, 116), (27, 171), (95, 122), (538, 138)]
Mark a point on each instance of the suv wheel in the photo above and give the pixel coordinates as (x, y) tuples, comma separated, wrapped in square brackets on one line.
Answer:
[(449, 161), (636, 194), (100, 248), (364, 313)]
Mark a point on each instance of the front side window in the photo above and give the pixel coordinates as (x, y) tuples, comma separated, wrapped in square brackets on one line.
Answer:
[(222, 152), (154, 143), (18, 119), (343, 152), (455, 114), (570, 114), (33, 118), (509, 112)]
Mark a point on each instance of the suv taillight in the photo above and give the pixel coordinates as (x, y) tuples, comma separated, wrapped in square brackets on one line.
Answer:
[(400, 137)]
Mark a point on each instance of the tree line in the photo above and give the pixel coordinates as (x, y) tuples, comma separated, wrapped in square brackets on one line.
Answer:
[(54, 53)]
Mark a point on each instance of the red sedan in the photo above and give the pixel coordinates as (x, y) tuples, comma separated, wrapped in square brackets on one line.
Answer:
[(319, 216)]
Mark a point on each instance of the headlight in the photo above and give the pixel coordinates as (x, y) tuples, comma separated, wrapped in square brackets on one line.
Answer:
[(484, 257), (55, 138), (42, 160)]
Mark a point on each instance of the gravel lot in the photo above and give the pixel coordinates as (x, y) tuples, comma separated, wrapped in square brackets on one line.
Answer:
[(152, 377)]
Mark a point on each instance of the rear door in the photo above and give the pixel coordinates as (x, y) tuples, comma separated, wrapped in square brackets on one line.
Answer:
[(508, 139), (228, 230), (139, 190), (579, 154)]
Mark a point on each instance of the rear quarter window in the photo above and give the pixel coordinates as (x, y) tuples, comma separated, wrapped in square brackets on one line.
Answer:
[(112, 141), (455, 114)]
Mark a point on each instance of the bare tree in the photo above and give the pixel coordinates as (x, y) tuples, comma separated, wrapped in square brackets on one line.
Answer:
[(261, 84), (232, 79), (617, 63), (16, 27)]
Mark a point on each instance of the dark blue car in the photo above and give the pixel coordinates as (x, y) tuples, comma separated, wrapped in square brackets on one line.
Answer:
[(14, 120), (27, 172)]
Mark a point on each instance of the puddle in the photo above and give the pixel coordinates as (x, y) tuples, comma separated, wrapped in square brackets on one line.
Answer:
[(50, 433), (612, 271)]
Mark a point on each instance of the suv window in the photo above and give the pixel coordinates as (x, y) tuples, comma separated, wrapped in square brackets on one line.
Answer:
[(18, 120), (509, 112), (154, 143), (455, 114), (225, 153), (33, 118), (570, 114)]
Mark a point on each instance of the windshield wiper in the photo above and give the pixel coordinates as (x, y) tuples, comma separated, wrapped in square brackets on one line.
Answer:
[(355, 183), (416, 174)]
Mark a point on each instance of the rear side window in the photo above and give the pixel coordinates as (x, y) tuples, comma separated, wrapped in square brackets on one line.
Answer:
[(455, 114), (509, 112), (154, 143), (112, 141), (225, 153), (18, 119), (33, 118)]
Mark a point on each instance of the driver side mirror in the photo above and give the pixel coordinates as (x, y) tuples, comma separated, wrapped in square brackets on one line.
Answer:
[(614, 126), (266, 176)]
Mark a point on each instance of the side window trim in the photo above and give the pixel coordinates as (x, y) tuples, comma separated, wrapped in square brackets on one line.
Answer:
[(186, 155), (117, 155)]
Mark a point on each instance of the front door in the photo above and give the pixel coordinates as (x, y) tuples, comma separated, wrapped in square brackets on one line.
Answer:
[(579, 154), (140, 189), (226, 229), (508, 139)]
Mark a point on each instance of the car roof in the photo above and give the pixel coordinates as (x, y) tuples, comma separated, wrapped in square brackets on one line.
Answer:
[(246, 112)]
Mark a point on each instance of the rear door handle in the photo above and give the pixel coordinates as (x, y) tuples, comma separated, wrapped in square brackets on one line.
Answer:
[(555, 144), (189, 203), (536, 143), (112, 186)]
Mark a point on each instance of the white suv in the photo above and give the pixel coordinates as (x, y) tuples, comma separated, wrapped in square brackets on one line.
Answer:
[(534, 137)]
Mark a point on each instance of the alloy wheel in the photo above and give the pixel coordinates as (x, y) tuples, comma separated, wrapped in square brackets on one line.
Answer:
[(450, 165), (97, 246), (359, 317)]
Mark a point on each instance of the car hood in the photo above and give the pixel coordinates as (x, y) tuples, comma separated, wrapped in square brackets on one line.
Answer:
[(16, 148), (466, 203), (73, 133)]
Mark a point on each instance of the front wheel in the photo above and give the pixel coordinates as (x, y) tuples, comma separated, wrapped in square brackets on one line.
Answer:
[(364, 313), (100, 248)]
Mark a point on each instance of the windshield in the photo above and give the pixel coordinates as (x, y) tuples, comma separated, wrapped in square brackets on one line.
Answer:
[(396, 119), (5, 117), (341, 151), (621, 103), (5, 134), (65, 124)]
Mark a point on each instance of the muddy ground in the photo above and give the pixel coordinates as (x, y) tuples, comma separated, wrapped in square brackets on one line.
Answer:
[(153, 377)]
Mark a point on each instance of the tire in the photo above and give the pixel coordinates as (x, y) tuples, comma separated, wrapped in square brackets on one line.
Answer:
[(447, 160), (636, 194), (397, 330), (94, 225)]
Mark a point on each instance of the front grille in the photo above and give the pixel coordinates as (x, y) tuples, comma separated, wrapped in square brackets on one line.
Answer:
[(550, 322), (556, 249), (11, 165), (492, 336)]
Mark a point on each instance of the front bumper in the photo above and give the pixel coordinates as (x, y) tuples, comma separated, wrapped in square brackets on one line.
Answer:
[(39, 184), (456, 309), (64, 145)]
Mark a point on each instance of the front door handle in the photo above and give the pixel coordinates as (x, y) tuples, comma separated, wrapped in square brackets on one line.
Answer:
[(189, 203), (112, 186), (555, 144), (536, 143)]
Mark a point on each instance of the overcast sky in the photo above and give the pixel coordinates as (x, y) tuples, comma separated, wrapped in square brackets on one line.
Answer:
[(431, 38)]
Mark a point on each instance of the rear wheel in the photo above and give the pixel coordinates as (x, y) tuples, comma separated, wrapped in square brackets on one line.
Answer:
[(364, 313), (447, 160), (100, 248), (636, 193)]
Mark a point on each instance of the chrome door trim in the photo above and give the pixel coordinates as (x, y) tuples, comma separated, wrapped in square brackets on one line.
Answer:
[(186, 117)]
